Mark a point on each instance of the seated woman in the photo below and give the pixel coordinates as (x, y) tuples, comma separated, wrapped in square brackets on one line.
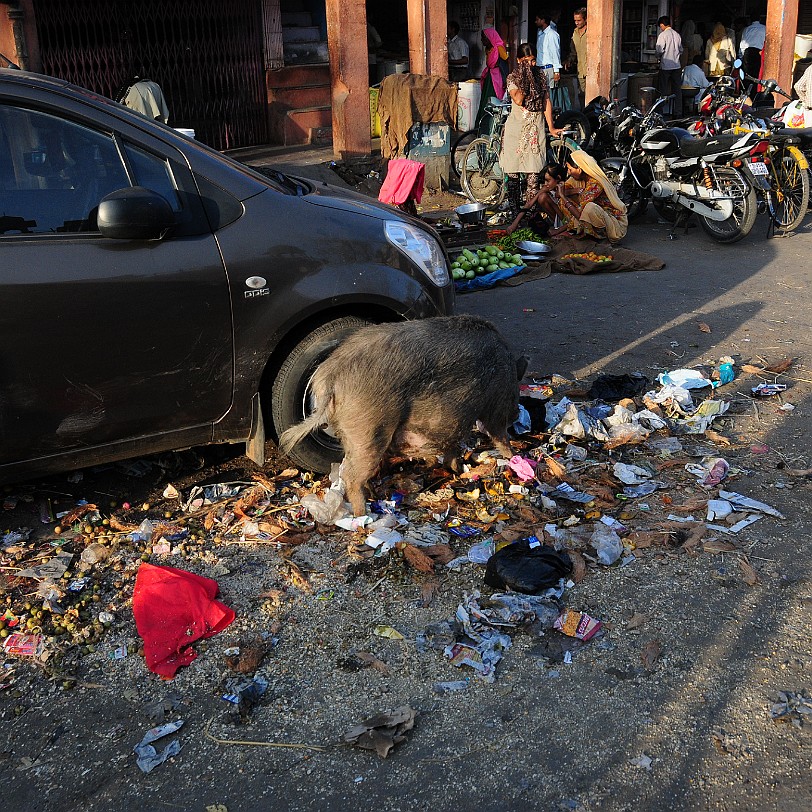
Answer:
[(542, 209), (589, 202)]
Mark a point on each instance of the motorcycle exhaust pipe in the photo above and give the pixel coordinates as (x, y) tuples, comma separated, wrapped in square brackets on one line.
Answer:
[(687, 195), (669, 189)]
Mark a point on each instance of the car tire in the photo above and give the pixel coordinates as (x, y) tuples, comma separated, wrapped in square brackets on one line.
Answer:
[(290, 395)]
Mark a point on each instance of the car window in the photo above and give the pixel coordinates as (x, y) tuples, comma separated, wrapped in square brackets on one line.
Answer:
[(153, 173), (53, 173)]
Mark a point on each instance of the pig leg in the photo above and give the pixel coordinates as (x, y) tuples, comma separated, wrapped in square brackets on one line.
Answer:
[(364, 452)]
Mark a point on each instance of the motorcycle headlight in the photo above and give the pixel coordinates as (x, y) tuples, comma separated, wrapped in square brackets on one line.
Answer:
[(420, 247)]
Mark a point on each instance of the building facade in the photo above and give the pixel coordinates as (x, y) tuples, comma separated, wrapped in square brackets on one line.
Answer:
[(250, 72)]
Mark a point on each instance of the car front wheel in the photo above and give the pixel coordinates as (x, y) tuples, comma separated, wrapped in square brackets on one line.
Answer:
[(291, 396)]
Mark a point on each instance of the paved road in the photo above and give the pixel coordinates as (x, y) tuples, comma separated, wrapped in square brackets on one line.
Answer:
[(540, 738)]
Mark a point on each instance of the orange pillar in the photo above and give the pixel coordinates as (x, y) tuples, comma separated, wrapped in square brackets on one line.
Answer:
[(349, 77), (600, 39), (428, 28), (18, 36), (779, 46)]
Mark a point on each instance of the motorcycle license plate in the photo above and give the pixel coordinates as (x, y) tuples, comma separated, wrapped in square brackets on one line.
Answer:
[(759, 168)]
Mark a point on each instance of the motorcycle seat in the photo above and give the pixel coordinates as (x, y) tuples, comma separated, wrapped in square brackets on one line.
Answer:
[(692, 147), (803, 134)]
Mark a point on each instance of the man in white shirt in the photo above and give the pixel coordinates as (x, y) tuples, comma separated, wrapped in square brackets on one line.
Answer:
[(669, 48), (457, 53), (753, 37), (548, 50), (751, 45)]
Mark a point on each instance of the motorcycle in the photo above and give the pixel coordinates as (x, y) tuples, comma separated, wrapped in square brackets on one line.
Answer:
[(776, 167), (684, 175), (603, 116)]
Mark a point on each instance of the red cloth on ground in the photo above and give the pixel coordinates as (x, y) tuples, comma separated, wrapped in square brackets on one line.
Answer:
[(404, 179), (172, 609)]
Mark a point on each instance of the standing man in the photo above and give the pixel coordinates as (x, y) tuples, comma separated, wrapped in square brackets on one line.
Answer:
[(457, 53), (548, 50), (578, 53), (669, 48), (751, 46)]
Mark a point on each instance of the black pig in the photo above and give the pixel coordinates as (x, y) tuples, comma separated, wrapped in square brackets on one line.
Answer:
[(417, 387)]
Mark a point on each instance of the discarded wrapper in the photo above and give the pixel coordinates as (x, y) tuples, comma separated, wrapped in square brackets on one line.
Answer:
[(577, 624), (766, 390), (148, 757), (24, 645)]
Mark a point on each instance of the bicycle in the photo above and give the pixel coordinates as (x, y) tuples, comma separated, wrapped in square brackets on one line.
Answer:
[(481, 175), (576, 123)]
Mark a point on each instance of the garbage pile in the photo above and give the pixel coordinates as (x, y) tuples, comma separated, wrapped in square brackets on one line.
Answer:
[(600, 477)]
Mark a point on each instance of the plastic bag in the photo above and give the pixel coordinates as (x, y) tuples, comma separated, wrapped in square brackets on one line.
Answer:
[(526, 569)]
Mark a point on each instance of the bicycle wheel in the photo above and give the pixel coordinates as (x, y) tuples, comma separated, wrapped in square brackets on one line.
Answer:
[(788, 197), (481, 176), (458, 150)]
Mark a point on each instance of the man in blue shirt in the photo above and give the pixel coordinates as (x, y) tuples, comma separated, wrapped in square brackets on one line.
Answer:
[(669, 48), (548, 49)]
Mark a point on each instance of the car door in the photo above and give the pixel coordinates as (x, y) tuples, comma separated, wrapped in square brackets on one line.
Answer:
[(101, 340)]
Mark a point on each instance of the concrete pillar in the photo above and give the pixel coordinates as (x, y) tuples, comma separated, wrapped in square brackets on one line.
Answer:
[(428, 45), (779, 47), (600, 34), (18, 38), (349, 77)]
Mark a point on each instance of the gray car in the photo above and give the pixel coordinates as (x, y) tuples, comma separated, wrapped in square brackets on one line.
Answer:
[(158, 295)]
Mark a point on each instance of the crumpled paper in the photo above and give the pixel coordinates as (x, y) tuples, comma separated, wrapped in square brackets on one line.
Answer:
[(383, 731), (148, 757)]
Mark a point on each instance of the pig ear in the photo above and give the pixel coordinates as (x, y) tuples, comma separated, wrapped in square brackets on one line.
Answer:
[(521, 366)]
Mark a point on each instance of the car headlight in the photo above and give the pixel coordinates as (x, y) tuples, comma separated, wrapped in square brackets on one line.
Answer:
[(421, 248)]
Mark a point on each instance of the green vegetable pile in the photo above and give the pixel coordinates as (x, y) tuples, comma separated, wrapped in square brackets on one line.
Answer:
[(485, 260), (510, 241)]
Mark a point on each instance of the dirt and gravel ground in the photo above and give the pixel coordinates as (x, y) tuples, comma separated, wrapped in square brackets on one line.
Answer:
[(695, 647)]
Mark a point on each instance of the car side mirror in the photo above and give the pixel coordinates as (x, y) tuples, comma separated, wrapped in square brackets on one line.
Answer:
[(134, 213)]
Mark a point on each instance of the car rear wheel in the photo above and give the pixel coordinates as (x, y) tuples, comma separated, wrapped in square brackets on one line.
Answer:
[(290, 396)]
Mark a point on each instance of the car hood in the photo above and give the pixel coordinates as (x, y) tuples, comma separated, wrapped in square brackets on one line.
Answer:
[(335, 197)]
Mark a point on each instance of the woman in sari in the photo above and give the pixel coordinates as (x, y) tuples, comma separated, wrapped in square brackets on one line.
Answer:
[(588, 203), (720, 52), (524, 142), (492, 80)]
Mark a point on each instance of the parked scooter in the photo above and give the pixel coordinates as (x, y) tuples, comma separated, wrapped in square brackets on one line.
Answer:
[(685, 175)]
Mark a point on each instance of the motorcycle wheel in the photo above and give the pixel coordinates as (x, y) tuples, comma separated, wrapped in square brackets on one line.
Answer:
[(628, 191), (745, 207), (788, 199), (481, 176), (578, 123)]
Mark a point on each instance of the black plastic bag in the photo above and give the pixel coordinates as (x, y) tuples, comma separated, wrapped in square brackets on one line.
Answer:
[(617, 387), (526, 569)]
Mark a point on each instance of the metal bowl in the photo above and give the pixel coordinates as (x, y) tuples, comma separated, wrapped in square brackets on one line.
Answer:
[(531, 247), (471, 213)]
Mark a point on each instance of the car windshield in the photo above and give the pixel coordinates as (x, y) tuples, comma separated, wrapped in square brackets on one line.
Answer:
[(278, 180)]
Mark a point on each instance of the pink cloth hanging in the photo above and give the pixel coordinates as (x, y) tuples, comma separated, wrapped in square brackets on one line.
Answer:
[(404, 179)]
